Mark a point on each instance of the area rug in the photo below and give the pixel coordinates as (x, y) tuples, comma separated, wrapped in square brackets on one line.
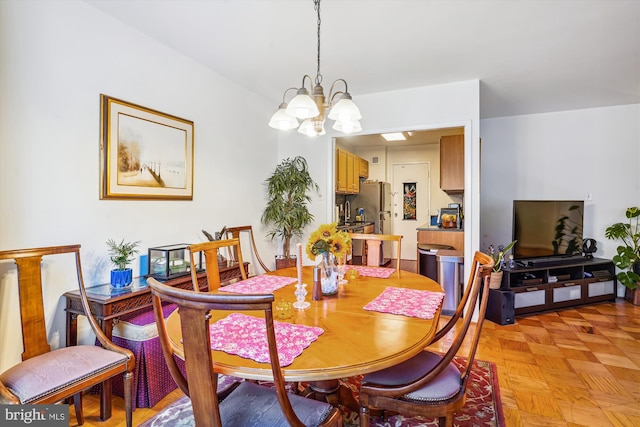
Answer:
[(483, 406)]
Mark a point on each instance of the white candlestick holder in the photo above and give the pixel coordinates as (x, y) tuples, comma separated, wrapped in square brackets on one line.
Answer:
[(301, 293)]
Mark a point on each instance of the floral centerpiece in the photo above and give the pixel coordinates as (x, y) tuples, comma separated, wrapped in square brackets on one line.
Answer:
[(327, 239), (334, 245)]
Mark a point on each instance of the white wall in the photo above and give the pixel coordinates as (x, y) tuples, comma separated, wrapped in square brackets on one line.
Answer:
[(561, 155), (56, 59)]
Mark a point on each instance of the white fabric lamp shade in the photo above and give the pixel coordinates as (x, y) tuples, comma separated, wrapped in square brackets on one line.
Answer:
[(302, 106), (347, 127), (307, 128), (345, 110), (283, 121)]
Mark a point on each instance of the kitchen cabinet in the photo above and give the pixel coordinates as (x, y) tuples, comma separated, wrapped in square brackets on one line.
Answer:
[(353, 172), (341, 171), (364, 168), (452, 164), (349, 169)]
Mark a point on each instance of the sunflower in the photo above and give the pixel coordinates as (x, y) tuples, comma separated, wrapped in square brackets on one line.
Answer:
[(327, 239)]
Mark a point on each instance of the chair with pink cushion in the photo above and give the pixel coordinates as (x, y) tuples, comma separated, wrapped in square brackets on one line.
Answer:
[(429, 384), (50, 376)]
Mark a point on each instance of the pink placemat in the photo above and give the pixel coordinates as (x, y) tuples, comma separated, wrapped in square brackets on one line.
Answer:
[(407, 302), (381, 272), (262, 284), (246, 337)]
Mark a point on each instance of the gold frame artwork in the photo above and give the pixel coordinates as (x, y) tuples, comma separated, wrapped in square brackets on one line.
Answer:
[(144, 154)]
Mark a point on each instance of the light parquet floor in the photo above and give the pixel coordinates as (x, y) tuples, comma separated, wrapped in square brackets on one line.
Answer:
[(569, 368), (575, 367)]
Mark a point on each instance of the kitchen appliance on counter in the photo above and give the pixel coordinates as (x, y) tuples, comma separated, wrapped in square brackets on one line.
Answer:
[(450, 217), (376, 201)]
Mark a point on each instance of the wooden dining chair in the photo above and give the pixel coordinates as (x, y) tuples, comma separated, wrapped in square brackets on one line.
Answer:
[(237, 233), (429, 384), (211, 250), (246, 403), (373, 242), (50, 376)]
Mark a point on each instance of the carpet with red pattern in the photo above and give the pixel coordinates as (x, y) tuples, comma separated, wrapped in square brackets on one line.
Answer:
[(483, 406)]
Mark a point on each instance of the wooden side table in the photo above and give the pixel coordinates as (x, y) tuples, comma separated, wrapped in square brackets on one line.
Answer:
[(108, 303)]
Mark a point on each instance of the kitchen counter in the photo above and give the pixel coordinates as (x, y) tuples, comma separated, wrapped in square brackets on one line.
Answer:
[(453, 237), (352, 225), (427, 227)]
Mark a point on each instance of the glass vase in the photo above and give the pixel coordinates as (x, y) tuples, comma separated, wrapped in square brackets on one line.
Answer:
[(329, 278)]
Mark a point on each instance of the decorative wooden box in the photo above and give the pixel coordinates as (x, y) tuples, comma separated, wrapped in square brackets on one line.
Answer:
[(166, 262)]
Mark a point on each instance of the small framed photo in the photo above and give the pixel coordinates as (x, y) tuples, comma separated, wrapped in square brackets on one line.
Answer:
[(144, 154)]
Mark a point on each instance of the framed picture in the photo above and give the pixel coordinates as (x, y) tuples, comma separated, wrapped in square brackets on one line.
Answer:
[(409, 200), (144, 154)]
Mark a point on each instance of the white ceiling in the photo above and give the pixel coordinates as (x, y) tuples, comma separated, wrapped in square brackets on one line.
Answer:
[(530, 56)]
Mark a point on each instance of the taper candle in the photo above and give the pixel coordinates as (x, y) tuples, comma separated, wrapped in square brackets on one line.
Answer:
[(299, 263)]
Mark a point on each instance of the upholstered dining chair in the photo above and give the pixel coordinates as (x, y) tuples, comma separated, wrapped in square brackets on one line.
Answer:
[(237, 233), (211, 250), (374, 247), (246, 403), (49, 376), (429, 384)]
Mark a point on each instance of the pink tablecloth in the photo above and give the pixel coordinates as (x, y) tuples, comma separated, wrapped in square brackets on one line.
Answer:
[(246, 336), (262, 284), (407, 302), (381, 272)]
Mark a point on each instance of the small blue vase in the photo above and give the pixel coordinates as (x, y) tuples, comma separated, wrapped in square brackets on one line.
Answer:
[(121, 278)]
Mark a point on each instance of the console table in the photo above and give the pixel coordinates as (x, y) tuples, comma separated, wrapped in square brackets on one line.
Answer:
[(553, 286), (108, 303)]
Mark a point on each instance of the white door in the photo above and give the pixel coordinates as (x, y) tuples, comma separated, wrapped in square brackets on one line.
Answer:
[(408, 177)]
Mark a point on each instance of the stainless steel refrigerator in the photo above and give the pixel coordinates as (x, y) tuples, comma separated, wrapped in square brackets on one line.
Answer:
[(377, 201)]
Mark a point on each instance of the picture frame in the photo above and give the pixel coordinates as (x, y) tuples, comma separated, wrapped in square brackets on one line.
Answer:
[(144, 153)]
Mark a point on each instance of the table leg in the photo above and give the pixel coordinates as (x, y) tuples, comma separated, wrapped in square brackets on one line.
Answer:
[(331, 391), (105, 390), (72, 329)]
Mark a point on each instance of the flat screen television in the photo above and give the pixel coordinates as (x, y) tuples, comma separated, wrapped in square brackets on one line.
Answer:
[(547, 228)]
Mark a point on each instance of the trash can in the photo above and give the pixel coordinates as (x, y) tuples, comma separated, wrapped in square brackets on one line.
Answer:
[(451, 274), (428, 264)]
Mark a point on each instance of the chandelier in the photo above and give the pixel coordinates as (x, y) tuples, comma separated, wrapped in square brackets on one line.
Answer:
[(307, 112)]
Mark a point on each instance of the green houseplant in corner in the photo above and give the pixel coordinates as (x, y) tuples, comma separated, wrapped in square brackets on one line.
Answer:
[(121, 255), (287, 212), (627, 258)]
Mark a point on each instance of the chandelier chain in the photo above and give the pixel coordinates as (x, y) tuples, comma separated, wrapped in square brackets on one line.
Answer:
[(318, 75)]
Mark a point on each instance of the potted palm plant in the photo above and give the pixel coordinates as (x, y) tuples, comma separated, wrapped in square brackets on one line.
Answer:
[(287, 212), (121, 255), (627, 258)]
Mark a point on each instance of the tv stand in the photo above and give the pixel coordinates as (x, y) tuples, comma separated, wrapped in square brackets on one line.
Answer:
[(551, 261), (565, 282)]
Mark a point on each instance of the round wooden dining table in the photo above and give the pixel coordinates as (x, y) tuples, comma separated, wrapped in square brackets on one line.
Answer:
[(355, 341)]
